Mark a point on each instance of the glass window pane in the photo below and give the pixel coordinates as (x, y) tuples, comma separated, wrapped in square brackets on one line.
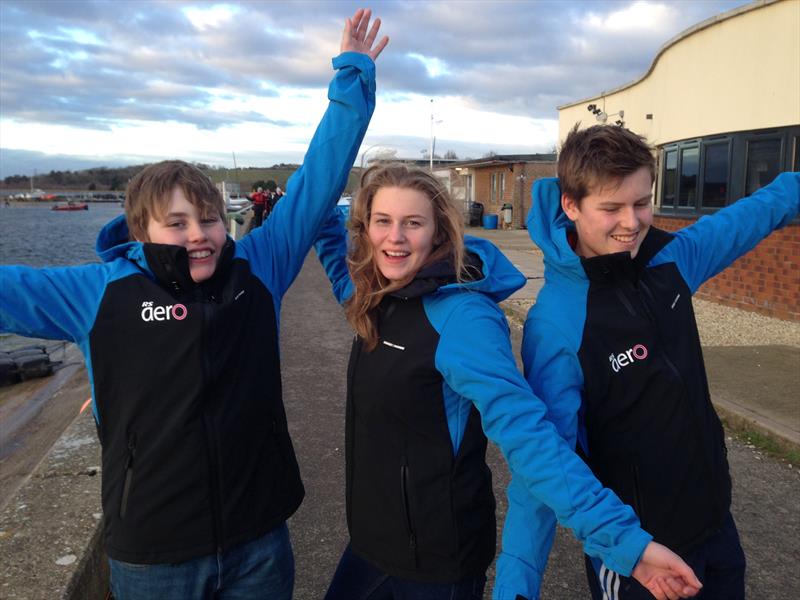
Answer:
[(715, 176), (670, 171), (763, 163), (690, 167)]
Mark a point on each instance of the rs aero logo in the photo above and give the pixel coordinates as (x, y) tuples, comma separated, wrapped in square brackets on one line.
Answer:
[(176, 312), (631, 355)]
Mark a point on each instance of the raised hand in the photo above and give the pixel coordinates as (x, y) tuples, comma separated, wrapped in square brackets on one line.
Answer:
[(664, 574), (355, 37)]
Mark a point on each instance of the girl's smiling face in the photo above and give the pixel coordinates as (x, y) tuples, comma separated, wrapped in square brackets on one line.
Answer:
[(401, 230)]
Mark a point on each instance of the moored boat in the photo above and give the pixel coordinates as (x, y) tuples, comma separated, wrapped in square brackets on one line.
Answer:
[(71, 205)]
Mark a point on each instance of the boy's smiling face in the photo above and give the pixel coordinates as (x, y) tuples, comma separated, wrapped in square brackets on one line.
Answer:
[(203, 236), (614, 218)]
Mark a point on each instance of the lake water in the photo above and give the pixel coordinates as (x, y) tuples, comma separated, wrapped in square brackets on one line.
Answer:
[(36, 236)]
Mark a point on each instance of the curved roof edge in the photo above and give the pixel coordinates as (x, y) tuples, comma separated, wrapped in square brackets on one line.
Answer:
[(734, 12)]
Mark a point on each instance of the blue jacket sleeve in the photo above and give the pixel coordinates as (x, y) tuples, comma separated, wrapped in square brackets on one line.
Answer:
[(54, 303), (331, 249), (276, 250), (475, 359), (705, 248), (554, 374)]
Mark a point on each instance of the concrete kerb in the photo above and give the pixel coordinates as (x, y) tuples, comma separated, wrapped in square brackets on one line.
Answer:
[(51, 531)]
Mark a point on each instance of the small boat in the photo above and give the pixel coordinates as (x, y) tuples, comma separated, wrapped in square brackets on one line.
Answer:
[(71, 205)]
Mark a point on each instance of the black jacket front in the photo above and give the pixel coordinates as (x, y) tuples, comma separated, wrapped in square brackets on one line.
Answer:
[(196, 453), (415, 508), (652, 433)]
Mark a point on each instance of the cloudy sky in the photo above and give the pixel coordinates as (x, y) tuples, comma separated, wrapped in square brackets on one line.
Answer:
[(87, 83)]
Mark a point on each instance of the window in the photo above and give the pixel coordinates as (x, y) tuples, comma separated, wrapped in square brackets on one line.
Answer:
[(715, 175), (494, 187), (690, 167), (670, 171), (701, 175), (763, 163), (502, 186)]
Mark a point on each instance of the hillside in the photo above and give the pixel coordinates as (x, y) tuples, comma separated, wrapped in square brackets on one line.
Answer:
[(115, 179)]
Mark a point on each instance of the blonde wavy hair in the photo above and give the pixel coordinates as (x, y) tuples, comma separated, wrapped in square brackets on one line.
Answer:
[(369, 283)]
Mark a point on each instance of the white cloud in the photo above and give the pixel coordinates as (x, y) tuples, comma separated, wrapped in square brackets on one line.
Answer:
[(433, 65), (639, 16), (212, 17)]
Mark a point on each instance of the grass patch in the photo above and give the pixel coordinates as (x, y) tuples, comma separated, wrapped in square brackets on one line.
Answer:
[(765, 442)]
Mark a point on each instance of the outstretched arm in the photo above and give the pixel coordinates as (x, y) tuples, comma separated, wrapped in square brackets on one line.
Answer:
[(277, 250), (514, 418), (705, 248), (53, 303)]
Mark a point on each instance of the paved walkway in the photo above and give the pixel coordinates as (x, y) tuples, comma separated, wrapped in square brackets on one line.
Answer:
[(754, 385)]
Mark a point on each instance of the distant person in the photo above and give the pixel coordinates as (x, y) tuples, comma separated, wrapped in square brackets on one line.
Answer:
[(259, 199), (432, 375), (179, 328), (277, 195), (611, 346), (269, 202)]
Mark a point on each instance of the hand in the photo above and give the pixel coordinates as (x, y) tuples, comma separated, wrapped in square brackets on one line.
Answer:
[(356, 39), (664, 574)]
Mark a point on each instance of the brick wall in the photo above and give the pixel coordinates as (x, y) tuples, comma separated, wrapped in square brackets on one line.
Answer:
[(766, 280), (517, 190)]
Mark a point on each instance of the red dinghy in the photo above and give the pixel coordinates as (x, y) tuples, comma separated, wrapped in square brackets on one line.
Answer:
[(71, 206)]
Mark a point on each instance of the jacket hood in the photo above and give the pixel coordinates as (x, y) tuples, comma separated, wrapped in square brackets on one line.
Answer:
[(494, 276), (548, 227), (114, 242)]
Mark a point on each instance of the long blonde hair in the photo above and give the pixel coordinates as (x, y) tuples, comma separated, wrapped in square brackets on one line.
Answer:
[(369, 283)]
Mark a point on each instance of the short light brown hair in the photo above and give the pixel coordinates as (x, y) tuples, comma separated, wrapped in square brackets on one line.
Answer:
[(370, 286), (590, 159), (148, 193)]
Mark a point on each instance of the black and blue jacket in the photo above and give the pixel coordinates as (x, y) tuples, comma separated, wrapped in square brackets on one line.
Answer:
[(612, 347), (185, 377), (419, 409)]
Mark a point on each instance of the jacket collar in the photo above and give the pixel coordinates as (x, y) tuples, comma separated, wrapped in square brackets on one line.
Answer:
[(620, 266)]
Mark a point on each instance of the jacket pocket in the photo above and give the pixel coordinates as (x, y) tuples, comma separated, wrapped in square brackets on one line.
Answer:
[(404, 490), (128, 477)]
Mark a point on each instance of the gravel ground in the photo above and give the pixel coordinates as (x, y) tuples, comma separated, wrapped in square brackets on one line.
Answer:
[(723, 325), (726, 326)]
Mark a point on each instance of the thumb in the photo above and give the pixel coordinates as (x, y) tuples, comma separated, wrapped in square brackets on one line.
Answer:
[(685, 571)]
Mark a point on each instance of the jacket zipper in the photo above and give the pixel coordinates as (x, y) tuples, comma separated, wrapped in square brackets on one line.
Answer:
[(412, 538), (352, 366), (647, 296), (126, 486), (638, 503), (211, 438)]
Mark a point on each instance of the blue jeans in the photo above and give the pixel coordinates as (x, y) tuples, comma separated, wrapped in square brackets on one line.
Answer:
[(356, 579), (718, 562), (262, 568)]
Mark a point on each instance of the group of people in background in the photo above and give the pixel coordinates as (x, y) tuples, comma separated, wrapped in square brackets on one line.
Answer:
[(264, 200), (609, 430)]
